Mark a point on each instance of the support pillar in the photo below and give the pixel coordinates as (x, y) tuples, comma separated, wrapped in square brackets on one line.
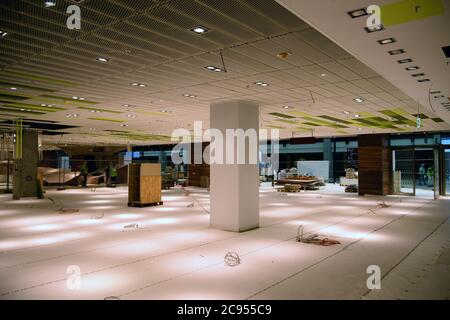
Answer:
[(234, 189), (328, 155), (25, 183), (374, 164)]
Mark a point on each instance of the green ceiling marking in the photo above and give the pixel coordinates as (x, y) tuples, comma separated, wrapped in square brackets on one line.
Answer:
[(32, 107), (68, 99), (312, 124), (399, 115), (24, 86), (324, 123), (335, 119), (287, 121), (18, 111), (106, 119), (99, 110), (422, 116), (281, 115), (8, 96), (29, 76), (410, 10)]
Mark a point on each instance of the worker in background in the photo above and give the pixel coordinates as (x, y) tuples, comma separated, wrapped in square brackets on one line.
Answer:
[(107, 171), (84, 172), (422, 174), (430, 175), (113, 176)]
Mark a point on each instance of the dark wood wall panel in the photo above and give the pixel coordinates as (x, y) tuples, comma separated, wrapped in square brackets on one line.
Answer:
[(374, 163)]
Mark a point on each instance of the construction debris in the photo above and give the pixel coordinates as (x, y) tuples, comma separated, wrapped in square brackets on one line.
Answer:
[(98, 216), (314, 239), (232, 259), (383, 204), (131, 226)]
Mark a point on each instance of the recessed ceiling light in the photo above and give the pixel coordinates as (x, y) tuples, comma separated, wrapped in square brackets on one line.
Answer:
[(411, 68), (3, 34), (92, 129), (359, 99), (13, 88), (287, 107), (347, 112), (135, 84), (386, 41), (124, 125), (262, 84), (357, 116), (199, 29), (214, 69), (404, 60), (131, 115), (418, 74), (78, 98), (94, 111), (187, 95), (102, 59), (359, 128), (397, 51), (50, 3), (374, 28), (323, 74), (357, 13), (72, 115), (423, 80)]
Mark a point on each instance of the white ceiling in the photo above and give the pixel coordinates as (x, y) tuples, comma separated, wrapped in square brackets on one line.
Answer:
[(149, 42), (422, 40)]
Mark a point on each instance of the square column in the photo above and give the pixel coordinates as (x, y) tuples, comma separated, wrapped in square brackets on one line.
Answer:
[(234, 190), (25, 183)]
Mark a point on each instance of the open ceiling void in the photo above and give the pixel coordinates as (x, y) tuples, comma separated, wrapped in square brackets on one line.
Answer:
[(137, 70)]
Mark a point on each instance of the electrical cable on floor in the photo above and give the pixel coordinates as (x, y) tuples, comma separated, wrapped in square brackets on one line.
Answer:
[(188, 193), (232, 259)]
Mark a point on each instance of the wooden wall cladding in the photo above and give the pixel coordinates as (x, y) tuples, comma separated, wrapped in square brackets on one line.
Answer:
[(196, 172), (375, 165)]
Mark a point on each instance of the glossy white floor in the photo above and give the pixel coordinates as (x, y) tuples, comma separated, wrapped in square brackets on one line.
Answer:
[(175, 255)]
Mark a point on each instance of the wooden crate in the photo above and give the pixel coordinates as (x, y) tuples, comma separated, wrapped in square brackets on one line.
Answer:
[(144, 184)]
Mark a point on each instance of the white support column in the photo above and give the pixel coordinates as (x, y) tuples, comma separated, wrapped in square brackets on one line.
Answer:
[(234, 187)]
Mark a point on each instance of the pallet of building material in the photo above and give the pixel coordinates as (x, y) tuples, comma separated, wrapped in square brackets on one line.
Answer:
[(290, 188), (144, 185), (138, 204)]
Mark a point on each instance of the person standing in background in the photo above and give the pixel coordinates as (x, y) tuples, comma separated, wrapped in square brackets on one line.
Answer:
[(430, 175), (422, 175), (84, 172)]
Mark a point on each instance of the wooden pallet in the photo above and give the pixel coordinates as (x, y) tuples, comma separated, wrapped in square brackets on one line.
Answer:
[(142, 205)]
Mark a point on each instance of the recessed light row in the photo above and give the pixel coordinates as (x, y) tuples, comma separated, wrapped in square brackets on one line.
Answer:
[(136, 84), (188, 95), (78, 98), (262, 84), (214, 69), (359, 99), (72, 115), (46, 105), (100, 59)]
